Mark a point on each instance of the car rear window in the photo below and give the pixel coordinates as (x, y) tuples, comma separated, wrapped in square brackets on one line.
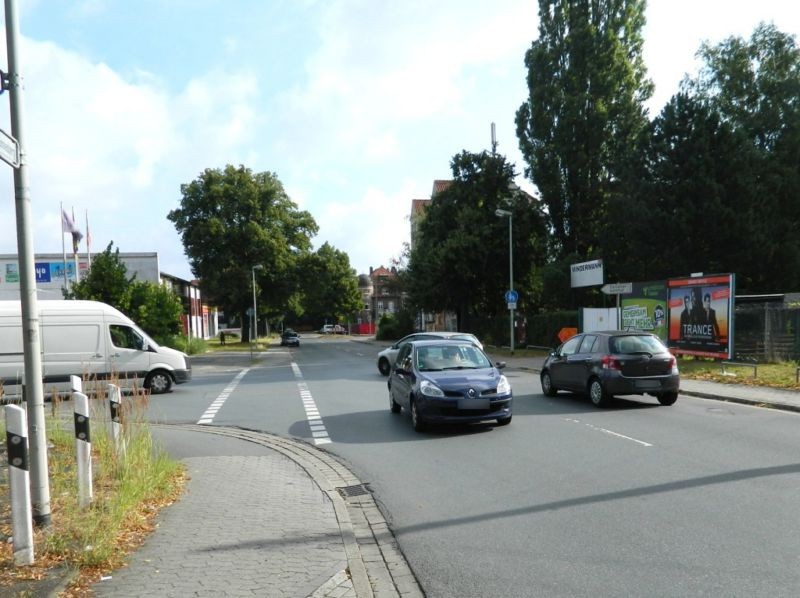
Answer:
[(637, 344)]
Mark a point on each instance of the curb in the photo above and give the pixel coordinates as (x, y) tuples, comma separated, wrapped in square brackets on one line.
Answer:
[(375, 562)]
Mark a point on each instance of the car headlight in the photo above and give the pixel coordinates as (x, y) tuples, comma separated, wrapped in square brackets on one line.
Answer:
[(429, 389), (503, 387)]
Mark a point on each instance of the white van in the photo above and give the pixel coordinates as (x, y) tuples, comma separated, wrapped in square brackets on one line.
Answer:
[(88, 339)]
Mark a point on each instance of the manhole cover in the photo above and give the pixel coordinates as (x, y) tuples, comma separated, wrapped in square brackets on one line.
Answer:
[(351, 491)]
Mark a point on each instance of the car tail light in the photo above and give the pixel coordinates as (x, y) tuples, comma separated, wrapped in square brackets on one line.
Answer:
[(611, 363), (673, 365)]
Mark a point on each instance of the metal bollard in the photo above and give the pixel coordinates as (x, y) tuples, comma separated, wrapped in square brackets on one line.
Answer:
[(83, 448), (19, 484), (115, 405)]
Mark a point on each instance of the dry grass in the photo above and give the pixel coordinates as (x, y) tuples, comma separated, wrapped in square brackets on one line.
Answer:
[(127, 495)]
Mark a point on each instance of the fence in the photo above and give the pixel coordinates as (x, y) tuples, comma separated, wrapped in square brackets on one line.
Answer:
[(766, 333)]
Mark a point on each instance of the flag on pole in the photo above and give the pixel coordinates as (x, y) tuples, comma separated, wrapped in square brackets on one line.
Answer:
[(68, 226), (88, 241)]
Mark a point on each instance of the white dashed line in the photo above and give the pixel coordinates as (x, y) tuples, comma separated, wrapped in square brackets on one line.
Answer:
[(318, 431), (208, 416), (605, 431)]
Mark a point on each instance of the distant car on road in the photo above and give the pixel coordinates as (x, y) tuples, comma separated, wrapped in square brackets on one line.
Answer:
[(386, 358), (448, 381), (613, 362), (290, 338), (332, 329)]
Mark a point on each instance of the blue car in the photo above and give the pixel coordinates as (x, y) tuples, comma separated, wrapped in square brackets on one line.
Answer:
[(447, 381)]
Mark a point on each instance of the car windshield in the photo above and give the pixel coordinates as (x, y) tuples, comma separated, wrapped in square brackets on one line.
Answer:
[(432, 358), (637, 344)]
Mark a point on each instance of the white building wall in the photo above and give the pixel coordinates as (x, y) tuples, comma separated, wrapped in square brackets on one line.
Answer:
[(50, 272)]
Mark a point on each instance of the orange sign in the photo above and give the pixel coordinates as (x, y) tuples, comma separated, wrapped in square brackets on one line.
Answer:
[(566, 333)]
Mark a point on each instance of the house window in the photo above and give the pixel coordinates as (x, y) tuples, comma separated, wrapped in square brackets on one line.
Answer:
[(391, 306)]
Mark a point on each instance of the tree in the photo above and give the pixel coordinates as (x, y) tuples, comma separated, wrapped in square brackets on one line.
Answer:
[(155, 308), (330, 285), (690, 201), (587, 83), (754, 85), (459, 261), (106, 281), (233, 219)]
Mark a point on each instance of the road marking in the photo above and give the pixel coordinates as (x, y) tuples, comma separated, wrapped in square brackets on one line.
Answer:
[(318, 431), (208, 416), (605, 431)]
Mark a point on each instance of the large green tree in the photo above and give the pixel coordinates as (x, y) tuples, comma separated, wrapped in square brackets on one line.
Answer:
[(587, 84), (329, 286), (690, 200), (754, 85), (460, 258), (232, 220)]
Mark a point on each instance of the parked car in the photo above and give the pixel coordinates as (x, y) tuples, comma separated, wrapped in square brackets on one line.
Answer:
[(429, 381), (387, 357), (289, 338), (614, 362), (326, 329), (337, 329)]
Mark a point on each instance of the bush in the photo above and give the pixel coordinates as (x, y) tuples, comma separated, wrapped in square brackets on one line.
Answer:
[(190, 346)]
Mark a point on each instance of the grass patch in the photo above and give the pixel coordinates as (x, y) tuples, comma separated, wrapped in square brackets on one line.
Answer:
[(128, 492), (774, 375)]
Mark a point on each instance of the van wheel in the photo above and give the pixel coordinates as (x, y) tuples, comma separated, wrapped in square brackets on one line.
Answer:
[(158, 382)]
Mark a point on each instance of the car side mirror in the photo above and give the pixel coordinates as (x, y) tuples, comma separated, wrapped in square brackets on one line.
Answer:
[(500, 365), (553, 353)]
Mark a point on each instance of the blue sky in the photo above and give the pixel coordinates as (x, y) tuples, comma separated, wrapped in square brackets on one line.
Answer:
[(356, 105)]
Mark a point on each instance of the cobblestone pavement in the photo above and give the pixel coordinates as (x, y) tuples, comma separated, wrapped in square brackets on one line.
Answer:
[(292, 522)]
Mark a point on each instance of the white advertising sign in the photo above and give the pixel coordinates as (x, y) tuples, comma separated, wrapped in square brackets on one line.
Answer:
[(586, 274)]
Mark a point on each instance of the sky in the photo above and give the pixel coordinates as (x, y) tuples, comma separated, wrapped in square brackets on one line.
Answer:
[(356, 105)]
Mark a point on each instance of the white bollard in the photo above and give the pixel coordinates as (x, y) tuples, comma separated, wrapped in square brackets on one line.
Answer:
[(115, 405), (75, 383), (83, 448), (19, 484)]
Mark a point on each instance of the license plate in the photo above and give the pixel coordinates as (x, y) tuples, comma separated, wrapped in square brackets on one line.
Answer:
[(473, 403), (648, 384)]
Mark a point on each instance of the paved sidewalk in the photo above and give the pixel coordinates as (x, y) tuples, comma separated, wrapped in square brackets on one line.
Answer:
[(282, 519)]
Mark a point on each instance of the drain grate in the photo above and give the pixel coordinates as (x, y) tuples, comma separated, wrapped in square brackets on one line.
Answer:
[(351, 491)]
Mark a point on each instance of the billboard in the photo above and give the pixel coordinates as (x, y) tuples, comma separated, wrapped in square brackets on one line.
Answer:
[(701, 315), (645, 308)]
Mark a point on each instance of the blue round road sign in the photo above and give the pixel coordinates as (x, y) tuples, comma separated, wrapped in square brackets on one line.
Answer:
[(511, 296)]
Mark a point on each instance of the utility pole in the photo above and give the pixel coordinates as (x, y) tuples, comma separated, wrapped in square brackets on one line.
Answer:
[(34, 394)]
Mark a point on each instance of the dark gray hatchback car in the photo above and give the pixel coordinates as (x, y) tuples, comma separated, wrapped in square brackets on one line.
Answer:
[(613, 362)]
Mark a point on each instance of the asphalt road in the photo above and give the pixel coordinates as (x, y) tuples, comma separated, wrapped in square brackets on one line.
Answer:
[(634, 500)]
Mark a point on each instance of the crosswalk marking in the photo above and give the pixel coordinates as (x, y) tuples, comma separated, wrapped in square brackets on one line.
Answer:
[(208, 416), (318, 431)]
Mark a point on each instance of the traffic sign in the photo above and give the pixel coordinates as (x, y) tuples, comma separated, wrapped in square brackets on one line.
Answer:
[(619, 288), (512, 305), (9, 149), (511, 296)]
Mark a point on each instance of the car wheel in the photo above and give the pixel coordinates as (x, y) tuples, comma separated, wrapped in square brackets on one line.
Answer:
[(158, 382), (667, 398), (383, 366), (393, 405), (416, 419), (597, 393), (504, 421), (547, 385)]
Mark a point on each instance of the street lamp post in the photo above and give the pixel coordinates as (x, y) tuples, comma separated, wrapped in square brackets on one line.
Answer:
[(502, 214), (254, 326)]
